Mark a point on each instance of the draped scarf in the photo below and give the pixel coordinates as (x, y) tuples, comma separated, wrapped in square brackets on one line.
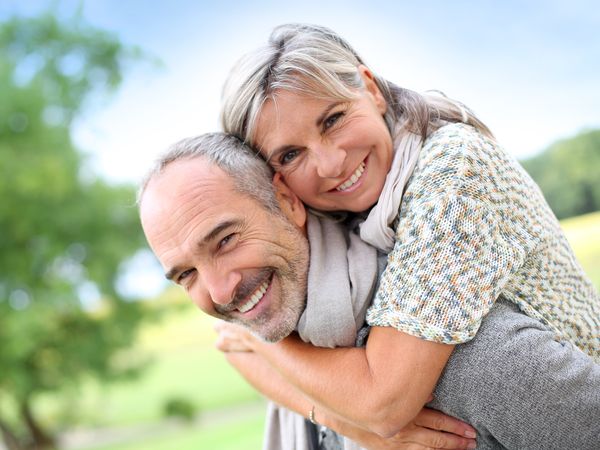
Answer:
[(342, 278)]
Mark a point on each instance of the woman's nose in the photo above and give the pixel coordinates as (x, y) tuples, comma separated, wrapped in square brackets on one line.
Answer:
[(330, 162)]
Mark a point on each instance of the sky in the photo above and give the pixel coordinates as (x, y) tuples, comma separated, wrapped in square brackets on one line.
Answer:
[(529, 69)]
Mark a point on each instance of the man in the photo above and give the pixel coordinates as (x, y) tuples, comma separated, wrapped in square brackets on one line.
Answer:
[(237, 245)]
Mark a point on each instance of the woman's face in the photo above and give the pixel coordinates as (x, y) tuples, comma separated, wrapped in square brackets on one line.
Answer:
[(333, 154)]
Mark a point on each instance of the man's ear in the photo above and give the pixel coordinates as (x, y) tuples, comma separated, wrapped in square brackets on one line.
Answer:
[(290, 204), (372, 88)]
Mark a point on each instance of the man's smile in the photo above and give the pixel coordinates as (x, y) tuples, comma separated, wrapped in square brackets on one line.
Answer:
[(255, 297)]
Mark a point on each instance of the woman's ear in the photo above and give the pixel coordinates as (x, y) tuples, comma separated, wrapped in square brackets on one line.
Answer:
[(372, 88), (290, 204)]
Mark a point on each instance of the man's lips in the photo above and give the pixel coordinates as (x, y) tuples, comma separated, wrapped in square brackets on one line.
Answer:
[(249, 294), (255, 297)]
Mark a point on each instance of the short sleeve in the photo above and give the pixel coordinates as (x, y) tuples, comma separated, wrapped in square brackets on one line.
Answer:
[(450, 262)]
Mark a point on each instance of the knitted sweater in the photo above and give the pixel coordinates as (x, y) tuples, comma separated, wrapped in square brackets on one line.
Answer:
[(473, 227)]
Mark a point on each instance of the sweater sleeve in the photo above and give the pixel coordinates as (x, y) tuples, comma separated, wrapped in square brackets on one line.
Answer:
[(446, 273)]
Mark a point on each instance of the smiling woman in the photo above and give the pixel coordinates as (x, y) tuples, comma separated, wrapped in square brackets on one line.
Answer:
[(334, 155)]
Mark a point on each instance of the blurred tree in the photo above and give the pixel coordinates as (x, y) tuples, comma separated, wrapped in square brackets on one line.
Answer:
[(568, 173), (63, 232)]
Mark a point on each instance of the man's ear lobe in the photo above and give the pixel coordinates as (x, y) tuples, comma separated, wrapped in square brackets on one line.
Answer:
[(290, 204)]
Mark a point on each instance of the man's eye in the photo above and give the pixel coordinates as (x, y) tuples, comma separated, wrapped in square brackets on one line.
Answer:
[(288, 157), (223, 242), (183, 275), (332, 120)]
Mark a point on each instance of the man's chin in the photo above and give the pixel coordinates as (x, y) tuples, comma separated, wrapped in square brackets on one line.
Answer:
[(267, 330), (273, 336)]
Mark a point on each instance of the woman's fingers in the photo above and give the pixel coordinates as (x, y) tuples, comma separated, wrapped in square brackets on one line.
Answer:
[(435, 420)]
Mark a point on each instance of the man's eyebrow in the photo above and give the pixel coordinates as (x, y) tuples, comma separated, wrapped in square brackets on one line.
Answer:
[(217, 229), (211, 235), (170, 274)]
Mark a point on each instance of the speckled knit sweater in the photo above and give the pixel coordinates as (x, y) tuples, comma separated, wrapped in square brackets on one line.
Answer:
[(474, 227)]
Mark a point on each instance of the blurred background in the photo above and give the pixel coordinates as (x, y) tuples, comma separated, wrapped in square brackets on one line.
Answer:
[(96, 351)]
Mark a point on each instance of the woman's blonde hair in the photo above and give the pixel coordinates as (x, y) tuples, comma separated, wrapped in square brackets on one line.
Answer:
[(314, 61)]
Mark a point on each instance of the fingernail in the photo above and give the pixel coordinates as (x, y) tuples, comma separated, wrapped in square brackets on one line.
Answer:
[(472, 445), (470, 434)]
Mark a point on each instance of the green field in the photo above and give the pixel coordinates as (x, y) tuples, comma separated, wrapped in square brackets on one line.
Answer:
[(583, 233), (185, 364), (244, 434)]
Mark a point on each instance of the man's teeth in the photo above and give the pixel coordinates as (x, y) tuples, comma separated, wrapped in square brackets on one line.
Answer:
[(256, 297), (353, 179)]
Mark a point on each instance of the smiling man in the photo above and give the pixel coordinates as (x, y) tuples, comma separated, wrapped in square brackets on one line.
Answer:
[(238, 261), (237, 243)]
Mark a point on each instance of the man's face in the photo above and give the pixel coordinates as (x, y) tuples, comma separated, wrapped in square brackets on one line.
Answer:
[(237, 261)]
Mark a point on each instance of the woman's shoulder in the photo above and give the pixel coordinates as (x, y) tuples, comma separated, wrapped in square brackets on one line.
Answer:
[(456, 159), (457, 137)]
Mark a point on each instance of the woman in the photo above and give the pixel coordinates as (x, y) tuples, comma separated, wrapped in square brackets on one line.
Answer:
[(462, 223)]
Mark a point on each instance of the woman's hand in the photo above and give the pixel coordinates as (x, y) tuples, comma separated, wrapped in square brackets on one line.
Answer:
[(430, 429), (233, 338)]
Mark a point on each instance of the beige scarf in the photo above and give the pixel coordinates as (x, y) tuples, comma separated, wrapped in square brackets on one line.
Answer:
[(377, 230), (342, 278)]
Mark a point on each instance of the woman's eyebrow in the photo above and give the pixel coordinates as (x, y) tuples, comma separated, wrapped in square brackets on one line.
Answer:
[(280, 150), (325, 112)]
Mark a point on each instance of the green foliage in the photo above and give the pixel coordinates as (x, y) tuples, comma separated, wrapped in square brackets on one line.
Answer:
[(180, 408), (568, 174), (63, 233)]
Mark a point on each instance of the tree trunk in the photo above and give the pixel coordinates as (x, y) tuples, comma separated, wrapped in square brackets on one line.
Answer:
[(40, 440), (10, 440)]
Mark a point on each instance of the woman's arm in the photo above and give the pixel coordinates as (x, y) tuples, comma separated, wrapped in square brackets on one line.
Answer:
[(381, 387), (430, 429)]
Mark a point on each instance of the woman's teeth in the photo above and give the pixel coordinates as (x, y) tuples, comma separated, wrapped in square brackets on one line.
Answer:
[(255, 298), (353, 179)]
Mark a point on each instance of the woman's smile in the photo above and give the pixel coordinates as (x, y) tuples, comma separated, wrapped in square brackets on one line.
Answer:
[(354, 181)]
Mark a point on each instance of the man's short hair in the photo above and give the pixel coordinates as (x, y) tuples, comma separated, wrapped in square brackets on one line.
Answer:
[(250, 174)]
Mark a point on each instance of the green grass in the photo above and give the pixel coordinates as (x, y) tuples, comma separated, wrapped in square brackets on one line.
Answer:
[(242, 435), (583, 233), (199, 375), (185, 364)]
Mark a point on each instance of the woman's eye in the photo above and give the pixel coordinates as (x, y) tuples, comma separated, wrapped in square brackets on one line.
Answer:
[(331, 120), (288, 157)]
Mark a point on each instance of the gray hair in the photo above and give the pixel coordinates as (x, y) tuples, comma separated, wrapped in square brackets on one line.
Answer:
[(250, 174), (315, 61)]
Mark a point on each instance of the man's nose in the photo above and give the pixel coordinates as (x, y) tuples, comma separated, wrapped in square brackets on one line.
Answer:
[(221, 284), (329, 161)]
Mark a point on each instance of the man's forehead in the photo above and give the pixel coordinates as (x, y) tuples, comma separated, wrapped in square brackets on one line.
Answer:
[(186, 188), (189, 206)]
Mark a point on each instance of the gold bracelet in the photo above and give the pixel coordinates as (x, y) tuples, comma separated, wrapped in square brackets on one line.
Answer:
[(311, 416)]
